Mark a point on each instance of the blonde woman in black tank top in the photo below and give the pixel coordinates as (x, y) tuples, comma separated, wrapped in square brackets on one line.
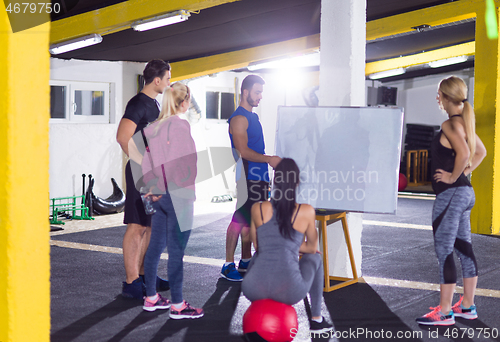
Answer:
[(455, 153)]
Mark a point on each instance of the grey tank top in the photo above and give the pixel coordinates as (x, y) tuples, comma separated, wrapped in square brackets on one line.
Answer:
[(274, 271), (274, 248)]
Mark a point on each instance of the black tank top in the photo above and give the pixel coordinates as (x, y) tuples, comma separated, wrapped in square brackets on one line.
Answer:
[(444, 158)]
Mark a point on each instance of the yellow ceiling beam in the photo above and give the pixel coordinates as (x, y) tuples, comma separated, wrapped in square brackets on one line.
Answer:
[(118, 17), (433, 16), (466, 49), (240, 59)]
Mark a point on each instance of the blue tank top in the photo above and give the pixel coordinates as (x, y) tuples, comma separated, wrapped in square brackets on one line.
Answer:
[(253, 170)]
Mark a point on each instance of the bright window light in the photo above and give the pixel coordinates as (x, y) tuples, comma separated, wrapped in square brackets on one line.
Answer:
[(387, 73), (75, 44), (308, 60), (161, 20), (447, 61)]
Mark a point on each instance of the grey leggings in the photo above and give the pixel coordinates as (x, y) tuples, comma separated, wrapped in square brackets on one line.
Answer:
[(285, 288), (451, 228)]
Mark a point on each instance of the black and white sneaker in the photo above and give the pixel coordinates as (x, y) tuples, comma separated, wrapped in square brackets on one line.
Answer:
[(318, 328)]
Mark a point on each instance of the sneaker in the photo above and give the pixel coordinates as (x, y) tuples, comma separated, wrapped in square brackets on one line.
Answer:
[(436, 317), (230, 273), (161, 303), (161, 284), (243, 265), (187, 311), (460, 311), (133, 290), (318, 328)]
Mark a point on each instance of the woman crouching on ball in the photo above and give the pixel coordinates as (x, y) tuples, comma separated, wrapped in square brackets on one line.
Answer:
[(277, 230)]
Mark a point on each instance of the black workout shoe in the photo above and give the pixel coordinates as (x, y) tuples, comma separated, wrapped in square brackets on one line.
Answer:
[(318, 328), (134, 290), (161, 284)]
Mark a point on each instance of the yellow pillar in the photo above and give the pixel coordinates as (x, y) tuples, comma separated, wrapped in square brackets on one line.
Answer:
[(24, 183), (485, 216)]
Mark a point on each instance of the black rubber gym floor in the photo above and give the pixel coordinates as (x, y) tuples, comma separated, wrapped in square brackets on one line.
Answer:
[(86, 304)]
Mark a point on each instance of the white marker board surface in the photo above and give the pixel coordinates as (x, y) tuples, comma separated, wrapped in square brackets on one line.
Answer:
[(348, 156)]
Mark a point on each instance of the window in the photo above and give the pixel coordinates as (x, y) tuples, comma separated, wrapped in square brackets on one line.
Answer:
[(212, 105), (58, 102), (219, 105), (86, 102)]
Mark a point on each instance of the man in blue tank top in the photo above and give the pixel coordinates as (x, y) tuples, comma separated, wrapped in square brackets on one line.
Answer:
[(252, 178)]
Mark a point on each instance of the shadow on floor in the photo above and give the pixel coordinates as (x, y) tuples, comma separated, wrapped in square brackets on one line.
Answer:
[(114, 308), (215, 325), (359, 313)]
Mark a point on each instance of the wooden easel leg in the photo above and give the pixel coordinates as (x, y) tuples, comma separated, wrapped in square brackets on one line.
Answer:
[(325, 256), (349, 247)]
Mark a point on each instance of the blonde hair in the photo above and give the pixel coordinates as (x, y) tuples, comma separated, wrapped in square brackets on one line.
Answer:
[(454, 89), (173, 97)]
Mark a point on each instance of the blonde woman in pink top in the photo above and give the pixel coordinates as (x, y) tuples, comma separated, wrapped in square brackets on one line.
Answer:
[(169, 169)]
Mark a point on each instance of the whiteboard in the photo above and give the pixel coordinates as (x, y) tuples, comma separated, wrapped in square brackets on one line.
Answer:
[(348, 156)]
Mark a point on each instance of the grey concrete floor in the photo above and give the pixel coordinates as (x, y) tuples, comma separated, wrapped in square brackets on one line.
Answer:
[(399, 267)]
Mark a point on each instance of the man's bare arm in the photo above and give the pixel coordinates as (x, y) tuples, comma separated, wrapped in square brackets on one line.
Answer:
[(238, 128), (126, 130)]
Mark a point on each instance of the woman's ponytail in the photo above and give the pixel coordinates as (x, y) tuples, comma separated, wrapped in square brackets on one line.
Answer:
[(455, 90)]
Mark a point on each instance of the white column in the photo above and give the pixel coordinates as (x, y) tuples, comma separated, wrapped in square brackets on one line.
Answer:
[(342, 83)]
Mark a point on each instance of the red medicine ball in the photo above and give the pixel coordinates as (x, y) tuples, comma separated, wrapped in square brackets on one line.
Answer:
[(403, 182), (268, 320)]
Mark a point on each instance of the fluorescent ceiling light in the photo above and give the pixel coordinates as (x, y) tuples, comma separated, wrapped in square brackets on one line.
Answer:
[(447, 61), (75, 44), (161, 20), (308, 60), (387, 73)]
